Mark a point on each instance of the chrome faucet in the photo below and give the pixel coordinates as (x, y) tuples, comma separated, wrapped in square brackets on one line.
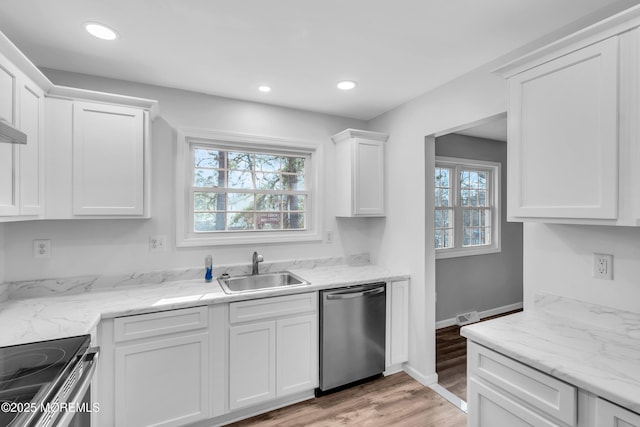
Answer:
[(254, 261)]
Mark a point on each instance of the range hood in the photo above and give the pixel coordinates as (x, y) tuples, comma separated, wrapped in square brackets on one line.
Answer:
[(11, 134)]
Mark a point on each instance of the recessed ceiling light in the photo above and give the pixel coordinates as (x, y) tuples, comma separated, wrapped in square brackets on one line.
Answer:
[(264, 89), (347, 85), (100, 31)]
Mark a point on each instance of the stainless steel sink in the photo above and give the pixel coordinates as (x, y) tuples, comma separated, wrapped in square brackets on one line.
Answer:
[(242, 284)]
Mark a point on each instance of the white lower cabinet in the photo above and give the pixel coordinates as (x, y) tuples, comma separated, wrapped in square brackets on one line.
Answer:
[(273, 348), (252, 369), (489, 407), (504, 392), (163, 382), (397, 343), (297, 354), (611, 415), (154, 369)]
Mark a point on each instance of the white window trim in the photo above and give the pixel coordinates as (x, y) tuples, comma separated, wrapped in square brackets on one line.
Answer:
[(495, 190), (192, 136)]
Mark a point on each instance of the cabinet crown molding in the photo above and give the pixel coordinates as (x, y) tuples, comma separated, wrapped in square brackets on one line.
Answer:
[(608, 27), (355, 133)]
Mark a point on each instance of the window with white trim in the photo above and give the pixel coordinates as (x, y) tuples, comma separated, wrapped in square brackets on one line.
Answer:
[(238, 189), (467, 207)]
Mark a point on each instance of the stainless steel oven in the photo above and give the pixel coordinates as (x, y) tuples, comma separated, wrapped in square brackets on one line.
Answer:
[(47, 383)]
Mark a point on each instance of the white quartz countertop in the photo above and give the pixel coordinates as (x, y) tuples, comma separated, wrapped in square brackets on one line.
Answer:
[(597, 350), (63, 315)]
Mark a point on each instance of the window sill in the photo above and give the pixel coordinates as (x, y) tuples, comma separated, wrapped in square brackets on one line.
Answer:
[(456, 253), (248, 238)]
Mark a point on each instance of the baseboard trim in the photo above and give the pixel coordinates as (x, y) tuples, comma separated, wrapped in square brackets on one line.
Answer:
[(425, 380), (487, 313)]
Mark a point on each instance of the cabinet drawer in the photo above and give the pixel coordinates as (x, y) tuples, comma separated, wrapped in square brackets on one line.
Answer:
[(611, 415), (541, 391), (265, 308), (490, 408), (160, 323)]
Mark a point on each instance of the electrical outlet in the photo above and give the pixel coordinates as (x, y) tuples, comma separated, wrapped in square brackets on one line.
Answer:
[(41, 248), (603, 266), (157, 243), (329, 236)]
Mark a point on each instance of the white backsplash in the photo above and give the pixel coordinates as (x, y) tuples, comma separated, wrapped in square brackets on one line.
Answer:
[(80, 284)]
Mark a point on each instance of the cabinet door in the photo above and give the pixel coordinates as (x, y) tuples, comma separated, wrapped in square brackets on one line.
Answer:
[(163, 382), (368, 179), (252, 364), (610, 415), (108, 160), (488, 407), (563, 136), (32, 154), (398, 322), (9, 202), (297, 350)]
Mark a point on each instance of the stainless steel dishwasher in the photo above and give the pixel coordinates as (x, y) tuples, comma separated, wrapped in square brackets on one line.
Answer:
[(352, 334)]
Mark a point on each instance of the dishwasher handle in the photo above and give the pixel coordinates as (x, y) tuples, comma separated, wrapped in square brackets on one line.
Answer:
[(357, 294)]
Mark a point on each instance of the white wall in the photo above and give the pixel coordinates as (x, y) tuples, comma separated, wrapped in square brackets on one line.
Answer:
[(407, 242), (82, 247), (558, 259), (2, 246)]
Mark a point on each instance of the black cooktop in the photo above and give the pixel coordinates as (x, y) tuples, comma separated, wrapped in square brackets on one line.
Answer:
[(32, 373)]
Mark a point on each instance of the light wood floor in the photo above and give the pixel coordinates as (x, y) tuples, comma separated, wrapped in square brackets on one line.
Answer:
[(396, 400)]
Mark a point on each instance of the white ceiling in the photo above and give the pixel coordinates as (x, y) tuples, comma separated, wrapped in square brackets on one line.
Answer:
[(395, 49)]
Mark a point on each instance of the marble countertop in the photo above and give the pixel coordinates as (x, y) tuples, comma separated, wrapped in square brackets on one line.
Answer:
[(599, 353), (42, 318)]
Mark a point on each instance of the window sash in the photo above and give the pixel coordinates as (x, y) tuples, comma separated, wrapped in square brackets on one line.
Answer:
[(444, 233), (468, 235), (252, 218)]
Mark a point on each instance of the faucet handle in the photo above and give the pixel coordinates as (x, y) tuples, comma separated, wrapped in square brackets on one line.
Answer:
[(259, 258)]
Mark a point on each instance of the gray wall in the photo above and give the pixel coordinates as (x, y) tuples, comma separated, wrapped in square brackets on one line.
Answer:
[(480, 282)]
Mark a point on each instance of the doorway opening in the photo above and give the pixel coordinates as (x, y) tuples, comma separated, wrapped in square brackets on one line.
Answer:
[(478, 266)]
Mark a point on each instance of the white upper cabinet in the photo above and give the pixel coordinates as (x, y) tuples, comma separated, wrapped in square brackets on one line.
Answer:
[(108, 160), (573, 145), (32, 185), (8, 152), (359, 173), (21, 165), (97, 160), (563, 136)]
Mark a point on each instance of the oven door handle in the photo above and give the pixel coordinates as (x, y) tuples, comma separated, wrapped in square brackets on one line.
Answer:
[(91, 358)]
